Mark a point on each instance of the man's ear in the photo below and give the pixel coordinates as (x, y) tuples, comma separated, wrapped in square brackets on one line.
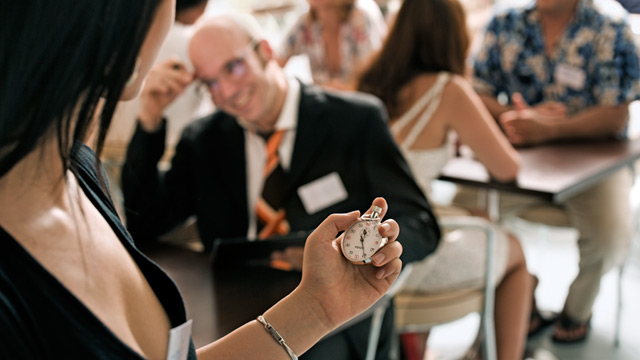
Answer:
[(264, 50)]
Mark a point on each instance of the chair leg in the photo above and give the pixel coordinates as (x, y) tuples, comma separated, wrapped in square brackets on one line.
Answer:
[(616, 339), (489, 337), (374, 333)]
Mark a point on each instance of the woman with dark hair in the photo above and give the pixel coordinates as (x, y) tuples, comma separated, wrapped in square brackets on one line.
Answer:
[(72, 283), (337, 36), (419, 75)]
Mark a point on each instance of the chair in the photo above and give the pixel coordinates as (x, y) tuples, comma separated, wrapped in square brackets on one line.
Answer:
[(420, 312)]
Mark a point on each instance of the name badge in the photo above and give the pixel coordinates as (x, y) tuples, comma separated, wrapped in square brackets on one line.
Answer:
[(322, 193), (570, 76), (179, 340)]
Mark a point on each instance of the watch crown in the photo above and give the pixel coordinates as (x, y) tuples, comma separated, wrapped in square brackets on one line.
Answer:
[(375, 212)]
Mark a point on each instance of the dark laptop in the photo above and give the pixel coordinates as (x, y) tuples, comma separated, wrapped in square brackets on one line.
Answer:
[(241, 251)]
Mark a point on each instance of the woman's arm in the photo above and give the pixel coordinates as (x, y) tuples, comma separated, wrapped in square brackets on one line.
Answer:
[(331, 292), (476, 128)]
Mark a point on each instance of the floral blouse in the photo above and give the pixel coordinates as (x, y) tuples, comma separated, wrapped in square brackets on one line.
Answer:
[(595, 62), (360, 36)]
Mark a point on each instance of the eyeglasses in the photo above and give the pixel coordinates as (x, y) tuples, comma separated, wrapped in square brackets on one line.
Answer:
[(233, 71)]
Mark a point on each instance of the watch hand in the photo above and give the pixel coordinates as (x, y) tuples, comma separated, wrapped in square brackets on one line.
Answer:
[(364, 233)]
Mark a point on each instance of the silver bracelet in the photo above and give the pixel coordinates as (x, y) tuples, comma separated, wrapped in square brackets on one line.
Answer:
[(277, 336)]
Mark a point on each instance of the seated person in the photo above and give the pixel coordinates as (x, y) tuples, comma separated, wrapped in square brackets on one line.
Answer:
[(419, 75), (337, 36), (338, 145), (570, 75)]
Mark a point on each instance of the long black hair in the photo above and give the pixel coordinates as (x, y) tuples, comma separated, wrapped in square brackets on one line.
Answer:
[(58, 59), (186, 4)]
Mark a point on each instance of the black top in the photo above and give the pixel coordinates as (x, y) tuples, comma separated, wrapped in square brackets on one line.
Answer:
[(41, 319)]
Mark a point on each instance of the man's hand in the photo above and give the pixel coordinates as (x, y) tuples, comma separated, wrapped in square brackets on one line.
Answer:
[(166, 80), (526, 125)]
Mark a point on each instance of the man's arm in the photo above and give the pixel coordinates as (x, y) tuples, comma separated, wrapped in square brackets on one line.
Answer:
[(153, 205), (388, 175), (156, 202), (527, 125)]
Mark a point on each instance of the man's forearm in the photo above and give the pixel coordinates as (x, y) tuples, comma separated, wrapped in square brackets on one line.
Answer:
[(140, 177), (419, 236), (600, 121)]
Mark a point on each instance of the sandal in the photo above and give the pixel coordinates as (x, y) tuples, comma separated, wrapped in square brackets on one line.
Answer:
[(575, 331), (539, 322)]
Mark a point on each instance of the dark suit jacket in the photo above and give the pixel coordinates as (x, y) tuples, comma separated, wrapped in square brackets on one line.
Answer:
[(347, 134)]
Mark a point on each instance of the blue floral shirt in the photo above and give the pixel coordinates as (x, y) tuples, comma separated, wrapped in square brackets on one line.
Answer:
[(595, 61)]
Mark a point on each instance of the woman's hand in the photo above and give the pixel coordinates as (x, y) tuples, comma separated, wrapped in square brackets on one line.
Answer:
[(342, 289)]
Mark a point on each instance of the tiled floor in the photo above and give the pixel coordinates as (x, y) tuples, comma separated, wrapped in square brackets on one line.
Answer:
[(552, 255)]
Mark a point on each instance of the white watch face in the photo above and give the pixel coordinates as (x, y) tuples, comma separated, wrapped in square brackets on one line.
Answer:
[(361, 241)]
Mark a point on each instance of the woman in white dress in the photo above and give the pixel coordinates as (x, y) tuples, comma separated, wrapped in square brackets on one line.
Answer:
[(419, 75)]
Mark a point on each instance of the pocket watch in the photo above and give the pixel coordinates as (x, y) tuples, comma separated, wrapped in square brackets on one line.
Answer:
[(362, 239)]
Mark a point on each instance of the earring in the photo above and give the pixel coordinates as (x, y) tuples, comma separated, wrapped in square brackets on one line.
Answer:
[(136, 72)]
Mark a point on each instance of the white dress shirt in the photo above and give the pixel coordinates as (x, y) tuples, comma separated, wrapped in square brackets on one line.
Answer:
[(256, 154)]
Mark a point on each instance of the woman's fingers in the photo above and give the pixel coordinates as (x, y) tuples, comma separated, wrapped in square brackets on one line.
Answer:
[(388, 253), (333, 224), (390, 270), (389, 229), (381, 203)]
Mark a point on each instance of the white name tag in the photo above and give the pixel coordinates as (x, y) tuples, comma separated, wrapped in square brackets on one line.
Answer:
[(322, 193), (179, 339), (570, 76)]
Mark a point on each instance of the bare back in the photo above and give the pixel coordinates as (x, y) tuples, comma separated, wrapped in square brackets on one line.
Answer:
[(460, 110)]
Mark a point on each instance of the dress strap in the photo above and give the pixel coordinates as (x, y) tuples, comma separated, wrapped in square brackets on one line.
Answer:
[(427, 104)]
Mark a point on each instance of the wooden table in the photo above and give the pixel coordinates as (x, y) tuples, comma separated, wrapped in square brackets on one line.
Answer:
[(553, 172)]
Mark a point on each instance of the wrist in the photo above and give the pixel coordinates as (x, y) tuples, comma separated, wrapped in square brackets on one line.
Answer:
[(300, 320), (554, 128), (321, 315), (150, 123)]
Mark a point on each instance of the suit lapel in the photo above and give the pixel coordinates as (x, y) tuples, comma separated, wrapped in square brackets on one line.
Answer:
[(234, 169), (311, 134)]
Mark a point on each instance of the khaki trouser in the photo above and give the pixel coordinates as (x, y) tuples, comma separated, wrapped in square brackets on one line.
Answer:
[(601, 214)]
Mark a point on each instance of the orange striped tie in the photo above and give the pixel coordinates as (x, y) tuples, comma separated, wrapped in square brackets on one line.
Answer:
[(270, 216)]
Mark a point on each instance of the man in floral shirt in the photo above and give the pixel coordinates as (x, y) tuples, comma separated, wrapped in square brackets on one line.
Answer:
[(562, 69)]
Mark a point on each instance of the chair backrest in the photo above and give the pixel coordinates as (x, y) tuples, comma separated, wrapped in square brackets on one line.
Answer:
[(417, 312), (420, 312)]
